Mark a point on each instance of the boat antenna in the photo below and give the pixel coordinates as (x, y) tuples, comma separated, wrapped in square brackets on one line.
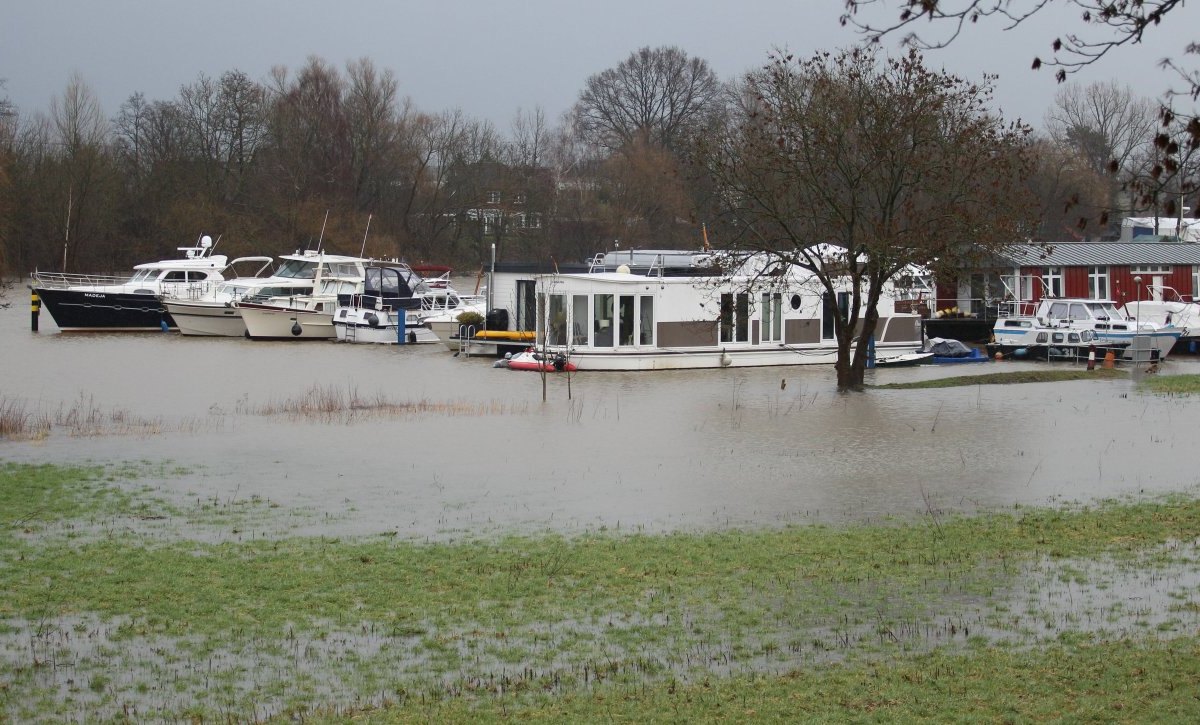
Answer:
[(321, 238), (362, 252), (67, 226)]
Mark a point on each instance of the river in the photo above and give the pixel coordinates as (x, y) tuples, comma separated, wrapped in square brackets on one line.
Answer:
[(471, 450)]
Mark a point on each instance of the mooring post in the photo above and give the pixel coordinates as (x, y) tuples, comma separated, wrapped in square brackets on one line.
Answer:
[(35, 306)]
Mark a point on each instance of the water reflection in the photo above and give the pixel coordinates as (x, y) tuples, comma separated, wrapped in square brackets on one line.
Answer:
[(653, 451)]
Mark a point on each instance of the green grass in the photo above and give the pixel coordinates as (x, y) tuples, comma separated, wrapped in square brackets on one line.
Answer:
[(1172, 384), (1107, 682), (1010, 378), (872, 621)]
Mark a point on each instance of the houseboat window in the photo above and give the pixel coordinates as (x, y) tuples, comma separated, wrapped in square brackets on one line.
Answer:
[(1079, 312), (625, 321), (828, 328), (1058, 311), (526, 314), (795, 302), (1072, 337), (646, 336), (1058, 337), (772, 317), (175, 276), (556, 325), (735, 313), (1043, 337), (579, 317), (1098, 283), (602, 321)]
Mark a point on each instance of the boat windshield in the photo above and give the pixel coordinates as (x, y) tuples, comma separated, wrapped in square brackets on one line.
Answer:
[(297, 268), (142, 275), (1104, 311)]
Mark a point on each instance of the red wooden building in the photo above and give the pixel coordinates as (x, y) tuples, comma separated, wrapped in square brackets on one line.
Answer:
[(1118, 271)]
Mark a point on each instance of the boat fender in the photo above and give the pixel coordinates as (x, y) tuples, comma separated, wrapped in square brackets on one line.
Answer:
[(412, 337), (560, 362), (163, 324), (372, 319), (296, 329)]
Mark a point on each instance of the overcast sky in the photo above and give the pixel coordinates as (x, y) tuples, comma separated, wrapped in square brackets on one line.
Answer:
[(490, 59)]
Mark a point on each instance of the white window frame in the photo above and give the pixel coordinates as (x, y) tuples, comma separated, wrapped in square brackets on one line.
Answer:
[(1052, 282), (1098, 283)]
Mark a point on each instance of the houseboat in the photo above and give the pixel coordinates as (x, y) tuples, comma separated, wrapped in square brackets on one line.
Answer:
[(666, 310)]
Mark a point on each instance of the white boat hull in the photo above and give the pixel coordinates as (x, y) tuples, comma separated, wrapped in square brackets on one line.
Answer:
[(695, 359), (214, 319), (287, 324)]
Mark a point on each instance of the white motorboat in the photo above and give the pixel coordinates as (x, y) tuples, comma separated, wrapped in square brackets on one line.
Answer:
[(215, 314), (1109, 324), (1167, 308), (394, 303), (87, 302), (305, 316)]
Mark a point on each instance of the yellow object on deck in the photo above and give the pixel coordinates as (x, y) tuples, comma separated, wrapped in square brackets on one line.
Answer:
[(514, 335)]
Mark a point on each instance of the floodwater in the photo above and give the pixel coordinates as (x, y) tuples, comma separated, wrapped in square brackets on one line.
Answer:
[(483, 453)]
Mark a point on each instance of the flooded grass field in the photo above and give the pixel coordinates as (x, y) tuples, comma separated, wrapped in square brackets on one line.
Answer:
[(246, 530)]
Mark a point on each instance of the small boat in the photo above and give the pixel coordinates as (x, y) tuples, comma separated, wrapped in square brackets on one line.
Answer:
[(533, 360), (949, 352), (1104, 324), (904, 360), (976, 355), (395, 302)]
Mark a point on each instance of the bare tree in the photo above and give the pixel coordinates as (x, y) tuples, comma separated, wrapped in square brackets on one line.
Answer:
[(1072, 196), (855, 169), (371, 112), (8, 125), (1104, 26), (80, 138), (1106, 125), (529, 138), (656, 96)]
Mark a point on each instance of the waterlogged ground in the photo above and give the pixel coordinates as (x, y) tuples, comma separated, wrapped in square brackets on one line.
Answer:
[(262, 529), (122, 604)]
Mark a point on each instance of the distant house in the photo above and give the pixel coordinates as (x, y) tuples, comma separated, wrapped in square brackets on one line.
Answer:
[(1185, 230), (1120, 271)]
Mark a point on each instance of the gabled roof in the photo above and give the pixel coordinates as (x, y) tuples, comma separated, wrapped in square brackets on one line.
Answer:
[(1104, 254)]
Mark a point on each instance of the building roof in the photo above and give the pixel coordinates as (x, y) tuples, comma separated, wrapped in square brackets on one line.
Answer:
[(1105, 254)]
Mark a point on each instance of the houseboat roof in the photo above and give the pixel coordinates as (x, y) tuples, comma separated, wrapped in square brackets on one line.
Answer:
[(1103, 254)]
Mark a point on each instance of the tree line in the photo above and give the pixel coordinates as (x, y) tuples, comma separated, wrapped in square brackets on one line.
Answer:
[(338, 156)]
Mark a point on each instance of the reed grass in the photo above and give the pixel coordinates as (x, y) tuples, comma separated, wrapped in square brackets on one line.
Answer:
[(18, 422), (900, 619), (333, 403)]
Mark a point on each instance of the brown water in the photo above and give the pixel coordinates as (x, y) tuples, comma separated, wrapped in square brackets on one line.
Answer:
[(628, 451)]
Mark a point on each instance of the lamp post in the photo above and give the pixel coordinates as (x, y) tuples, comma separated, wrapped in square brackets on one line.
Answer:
[(1137, 315)]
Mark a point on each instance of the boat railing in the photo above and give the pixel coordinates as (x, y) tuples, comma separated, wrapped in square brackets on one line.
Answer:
[(656, 268), (190, 291), (1016, 308), (64, 280)]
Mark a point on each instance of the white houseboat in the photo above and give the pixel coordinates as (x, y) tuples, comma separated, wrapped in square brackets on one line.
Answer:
[(664, 310)]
